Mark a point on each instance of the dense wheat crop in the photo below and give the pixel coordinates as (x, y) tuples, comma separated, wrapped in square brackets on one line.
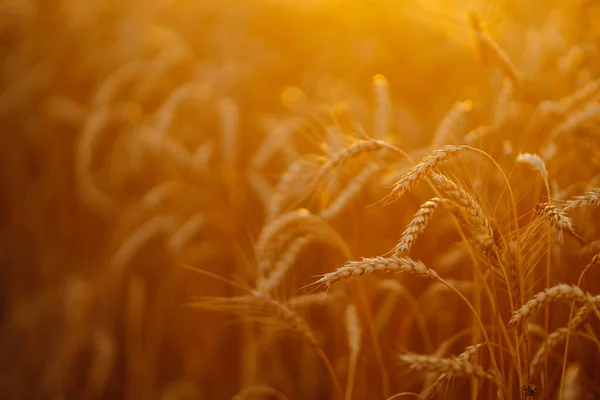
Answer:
[(322, 199)]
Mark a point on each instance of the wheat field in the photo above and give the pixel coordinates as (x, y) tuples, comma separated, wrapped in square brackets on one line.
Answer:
[(325, 199)]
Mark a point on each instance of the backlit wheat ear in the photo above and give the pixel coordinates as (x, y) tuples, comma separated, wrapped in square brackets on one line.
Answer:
[(353, 332), (166, 112), (158, 68), (293, 223), (351, 191), (286, 183), (534, 161), (577, 119), (454, 124), (266, 284), (451, 367), (369, 266), (580, 98), (262, 309), (114, 82), (466, 355), (278, 134), (91, 132), (560, 335), (570, 63), (478, 134), (490, 48), (383, 107), (505, 103), (573, 388), (141, 236), (416, 227), (419, 171), (510, 265), (556, 216), (589, 200), (549, 295), (182, 236), (260, 186), (476, 217), (354, 150)]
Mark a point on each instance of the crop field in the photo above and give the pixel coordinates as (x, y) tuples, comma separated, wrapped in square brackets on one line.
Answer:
[(289, 200)]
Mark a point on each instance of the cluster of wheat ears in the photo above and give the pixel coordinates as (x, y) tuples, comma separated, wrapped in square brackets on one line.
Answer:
[(195, 210)]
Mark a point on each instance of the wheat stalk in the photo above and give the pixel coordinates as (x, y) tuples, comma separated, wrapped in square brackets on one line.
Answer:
[(489, 46), (353, 332)]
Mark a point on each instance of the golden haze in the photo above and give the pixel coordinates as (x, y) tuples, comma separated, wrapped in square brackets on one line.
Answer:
[(299, 200)]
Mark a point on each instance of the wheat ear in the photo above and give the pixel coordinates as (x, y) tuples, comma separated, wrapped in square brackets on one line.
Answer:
[(286, 183), (559, 292), (354, 150), (581, 97), (299, 221), (416, 227), (419, 171), (369, 266), (476, 217), (453, 125), (557, 218), (466, 355), (573, 388), (577, 119), (266, 284), (138, 239), (534, 161), (589, 200), (559, 336), (351, 191), (383, 106), (451, 367)]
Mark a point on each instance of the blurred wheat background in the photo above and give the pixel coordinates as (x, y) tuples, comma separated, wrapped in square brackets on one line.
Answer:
[(188, 187)]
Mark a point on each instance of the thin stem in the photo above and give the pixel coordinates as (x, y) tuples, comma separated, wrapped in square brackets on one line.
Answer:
[(385, 378), (334, 379)]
